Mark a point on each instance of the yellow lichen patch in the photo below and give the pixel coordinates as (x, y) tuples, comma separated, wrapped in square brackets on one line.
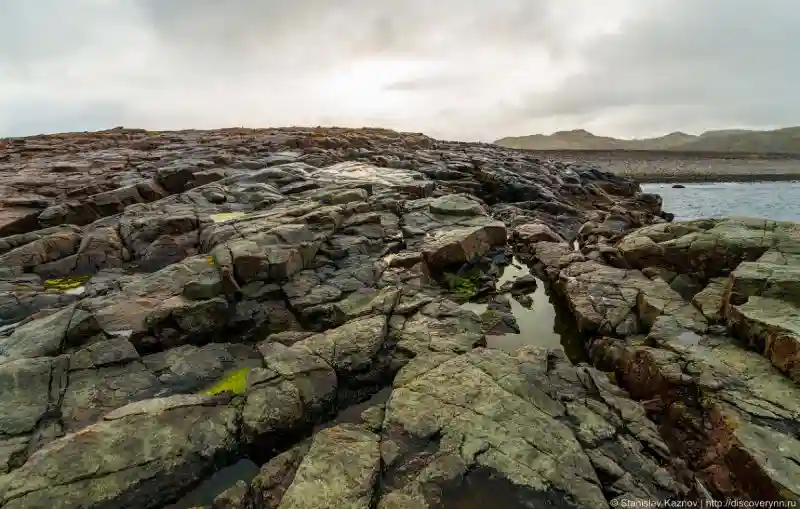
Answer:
[(226, 216), (64, 284), (235, 382)]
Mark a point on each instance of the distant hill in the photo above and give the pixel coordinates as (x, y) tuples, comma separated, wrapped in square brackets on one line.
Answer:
[(779, 141)]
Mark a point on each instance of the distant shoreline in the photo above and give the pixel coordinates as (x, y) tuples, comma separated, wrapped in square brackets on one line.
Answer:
[(665, 154), (644, 166), (710, 179)]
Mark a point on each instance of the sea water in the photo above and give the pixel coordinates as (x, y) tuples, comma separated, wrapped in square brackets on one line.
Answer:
[(773, 200)]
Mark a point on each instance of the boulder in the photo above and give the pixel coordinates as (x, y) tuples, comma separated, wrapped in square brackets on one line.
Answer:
[(532, 233), (462, 244)]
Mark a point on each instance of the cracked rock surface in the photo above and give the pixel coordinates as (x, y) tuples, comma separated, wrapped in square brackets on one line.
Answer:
[(174, 302), (699, 321), (480, 428)]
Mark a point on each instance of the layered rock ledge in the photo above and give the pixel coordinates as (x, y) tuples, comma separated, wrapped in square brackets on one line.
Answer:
[(699, 321), (172, 303)]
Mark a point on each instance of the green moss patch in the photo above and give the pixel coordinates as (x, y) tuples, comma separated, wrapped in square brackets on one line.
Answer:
[(64, 284), (465, 285), (234, 383)]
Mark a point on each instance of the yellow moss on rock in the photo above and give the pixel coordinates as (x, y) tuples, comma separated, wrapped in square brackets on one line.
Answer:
[(235, 382), (65, 283)]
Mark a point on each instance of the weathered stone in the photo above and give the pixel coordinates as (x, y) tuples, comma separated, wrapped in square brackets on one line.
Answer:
[(462, 244), (142, 454), (773, 328), (25, 393), (768, 280), (711, 300), (50, 335), (189, 368), (44, 249), (457, 205), (708, 247), (532, 233), (748, 443), (610, 300), (349, 461)]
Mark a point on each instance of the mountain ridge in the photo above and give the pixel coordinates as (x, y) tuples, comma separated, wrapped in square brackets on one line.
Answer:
[(785, 140)]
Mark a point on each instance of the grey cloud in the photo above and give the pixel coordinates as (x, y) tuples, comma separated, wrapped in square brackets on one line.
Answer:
[(470, 70), (324, 30), (690, 65), (39, 33)]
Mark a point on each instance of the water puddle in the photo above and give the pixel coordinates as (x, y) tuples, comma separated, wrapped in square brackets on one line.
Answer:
[(542, 324), (202, 496)]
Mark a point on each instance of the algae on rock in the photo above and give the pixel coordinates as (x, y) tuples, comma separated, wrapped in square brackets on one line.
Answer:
[(234, 383), (464, 286), (65, 284)]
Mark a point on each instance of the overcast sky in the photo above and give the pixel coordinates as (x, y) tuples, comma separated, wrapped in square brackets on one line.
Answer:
[(456, 69)]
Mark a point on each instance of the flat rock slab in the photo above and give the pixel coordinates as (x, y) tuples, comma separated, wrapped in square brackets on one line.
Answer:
[(136, 456), (462, 244), (711, 299), (15, 220), (149, 449), (484, 426)]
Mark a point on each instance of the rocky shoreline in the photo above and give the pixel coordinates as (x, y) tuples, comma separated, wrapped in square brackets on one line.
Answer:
[(645, 166), (173, 303)]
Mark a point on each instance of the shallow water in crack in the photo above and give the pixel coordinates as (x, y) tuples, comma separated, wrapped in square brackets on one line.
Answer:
[(203, 495), (544, 324)]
